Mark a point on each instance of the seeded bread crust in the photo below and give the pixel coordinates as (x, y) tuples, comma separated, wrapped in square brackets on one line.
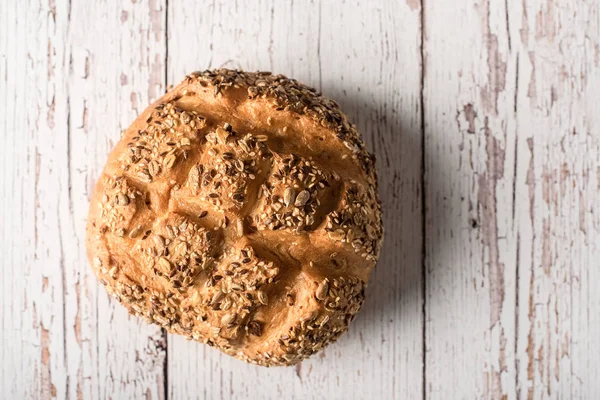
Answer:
[(239, 210)]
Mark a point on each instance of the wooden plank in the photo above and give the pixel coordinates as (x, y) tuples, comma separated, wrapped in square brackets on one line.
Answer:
[(70, 83), (471, 235), (559, 182), (117, 67), (366, 55), (512, 171), (34, 194)]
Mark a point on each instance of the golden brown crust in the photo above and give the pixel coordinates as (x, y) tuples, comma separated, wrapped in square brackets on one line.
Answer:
[(240, 210)]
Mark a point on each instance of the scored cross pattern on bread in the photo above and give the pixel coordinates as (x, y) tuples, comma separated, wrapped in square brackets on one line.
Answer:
[(240, 210)]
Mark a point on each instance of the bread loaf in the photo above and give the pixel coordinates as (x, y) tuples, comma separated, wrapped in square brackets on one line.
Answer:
[(239, 210)]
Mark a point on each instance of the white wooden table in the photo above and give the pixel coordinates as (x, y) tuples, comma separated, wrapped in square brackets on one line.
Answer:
[(485, 118)]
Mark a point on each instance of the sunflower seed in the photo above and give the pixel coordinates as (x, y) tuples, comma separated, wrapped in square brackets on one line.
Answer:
[(222, 136), (240, 227), (169, 161), (159, 243), (153, 168), (289, 195), (322, 290), (226, 304), (227, 319), (261, 138), (302, 198), (217, 297), (164, 265)]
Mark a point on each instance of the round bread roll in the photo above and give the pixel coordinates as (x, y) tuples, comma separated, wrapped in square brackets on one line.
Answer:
[(239, 210)]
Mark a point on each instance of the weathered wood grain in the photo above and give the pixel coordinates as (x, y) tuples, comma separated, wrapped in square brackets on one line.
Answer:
[(112, 80), (34, 199), (470, 133), (366, 55), (559, 188), (511, 176), (73, 75)]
